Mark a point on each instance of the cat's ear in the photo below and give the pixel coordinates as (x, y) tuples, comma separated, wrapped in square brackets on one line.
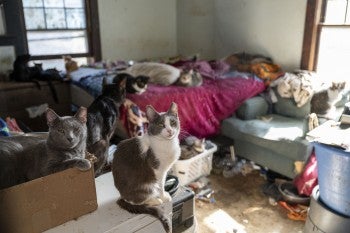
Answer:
[(81, 115), (120, 79), (173, 108), (122, 82), (145, 78), (51, 116), (151, 113)]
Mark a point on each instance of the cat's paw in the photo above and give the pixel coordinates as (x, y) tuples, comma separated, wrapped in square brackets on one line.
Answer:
[(83, 165), (154, 202), (166, 197)]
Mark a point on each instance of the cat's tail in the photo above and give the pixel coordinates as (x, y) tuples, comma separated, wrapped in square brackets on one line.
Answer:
[(145, 209)]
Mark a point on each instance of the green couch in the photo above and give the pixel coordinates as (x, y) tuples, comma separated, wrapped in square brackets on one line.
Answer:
[(275, 140)]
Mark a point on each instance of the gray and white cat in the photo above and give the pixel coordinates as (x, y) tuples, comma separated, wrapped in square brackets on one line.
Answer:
[(140, 165), (323, 102), (24, 158)]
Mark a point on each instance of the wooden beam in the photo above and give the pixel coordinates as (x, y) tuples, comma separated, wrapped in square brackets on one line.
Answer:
[(315, 11)]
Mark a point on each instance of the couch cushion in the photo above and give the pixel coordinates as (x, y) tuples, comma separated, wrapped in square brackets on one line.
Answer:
[(281, 134), (252, 108), (287, 107)]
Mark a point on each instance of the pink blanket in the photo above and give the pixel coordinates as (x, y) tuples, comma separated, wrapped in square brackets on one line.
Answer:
[(201, 109)]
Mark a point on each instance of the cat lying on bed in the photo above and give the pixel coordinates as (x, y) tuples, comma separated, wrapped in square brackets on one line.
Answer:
[(158, 73), (190, 79), (134, 85)]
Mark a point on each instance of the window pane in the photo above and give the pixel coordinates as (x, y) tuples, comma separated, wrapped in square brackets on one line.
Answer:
[(74, 3), (335, 13), (75, 18), (347, 21), (34, 18), (53, 3), (58, 42), (55, 18), (32, 3), (334, 53)]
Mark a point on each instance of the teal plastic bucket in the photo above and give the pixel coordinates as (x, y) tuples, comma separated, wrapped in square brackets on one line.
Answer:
[(333, 165)]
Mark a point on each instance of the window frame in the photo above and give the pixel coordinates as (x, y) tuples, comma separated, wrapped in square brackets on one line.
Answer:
[(17, 33), (315, 11), (315, 15)]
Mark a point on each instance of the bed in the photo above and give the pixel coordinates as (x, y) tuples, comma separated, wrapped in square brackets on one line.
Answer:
[(201, 109)]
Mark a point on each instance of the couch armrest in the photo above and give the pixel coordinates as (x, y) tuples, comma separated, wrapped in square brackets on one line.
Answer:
[(252, 108)]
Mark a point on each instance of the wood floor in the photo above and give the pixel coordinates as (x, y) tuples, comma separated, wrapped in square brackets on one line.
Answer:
[(241, 207)]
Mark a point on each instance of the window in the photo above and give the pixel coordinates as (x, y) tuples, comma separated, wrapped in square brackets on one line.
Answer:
[(326, 40), (55, 27), (334, 40), (48, 29)]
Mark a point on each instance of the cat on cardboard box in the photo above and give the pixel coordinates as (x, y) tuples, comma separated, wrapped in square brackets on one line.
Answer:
[(24, 158)]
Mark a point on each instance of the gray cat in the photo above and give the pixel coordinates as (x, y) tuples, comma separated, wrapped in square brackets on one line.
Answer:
[(24, 158), (323, 102), (141, 164)]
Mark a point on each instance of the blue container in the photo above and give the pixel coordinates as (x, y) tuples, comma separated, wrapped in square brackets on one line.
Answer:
[(333, 166)]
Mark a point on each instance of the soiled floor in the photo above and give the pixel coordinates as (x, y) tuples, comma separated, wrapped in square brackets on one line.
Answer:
[(242, 207)]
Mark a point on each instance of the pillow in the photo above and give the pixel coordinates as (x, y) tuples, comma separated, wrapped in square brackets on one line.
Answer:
[(287, 107), (252, 108)]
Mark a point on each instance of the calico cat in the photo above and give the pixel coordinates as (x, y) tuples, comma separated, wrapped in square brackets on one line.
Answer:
[(159, 73), (103, 115), (134, 85), (189, 79), (140, 165), (191, 146), (24, 158), (70, 65), (323, 102)]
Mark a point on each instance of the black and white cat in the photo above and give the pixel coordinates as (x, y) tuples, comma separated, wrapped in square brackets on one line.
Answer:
[(323, 102), (24, 158), (140, 165), (103, 115), (134, 85)]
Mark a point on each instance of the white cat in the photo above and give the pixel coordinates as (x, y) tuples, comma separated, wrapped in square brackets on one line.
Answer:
[(159, 73)]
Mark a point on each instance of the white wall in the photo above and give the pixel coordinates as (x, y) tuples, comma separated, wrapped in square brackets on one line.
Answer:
[(195, 27), (137, 29), (271, 27), (140, 29)]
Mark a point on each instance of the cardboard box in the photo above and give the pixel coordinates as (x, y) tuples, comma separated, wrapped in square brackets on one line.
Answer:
[(43, 203), (109, 217)]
